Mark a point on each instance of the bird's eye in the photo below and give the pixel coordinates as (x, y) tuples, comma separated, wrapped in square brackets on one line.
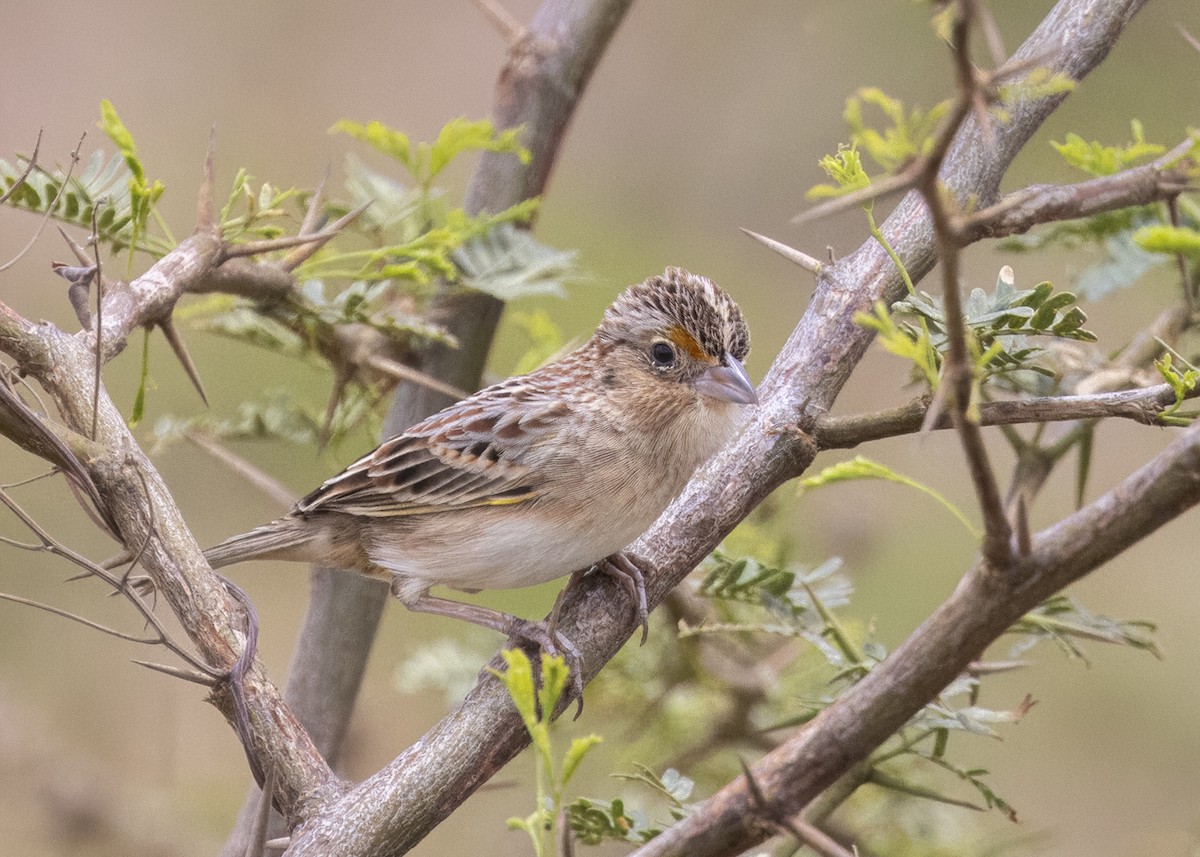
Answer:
[(663, 355)]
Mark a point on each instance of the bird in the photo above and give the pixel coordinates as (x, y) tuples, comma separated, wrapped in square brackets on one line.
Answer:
[(539, 476)]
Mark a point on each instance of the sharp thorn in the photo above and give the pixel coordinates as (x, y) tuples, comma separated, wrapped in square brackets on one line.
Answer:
[(80, 254), (206, 206), (184, 673), (808, 263), (177, 345)]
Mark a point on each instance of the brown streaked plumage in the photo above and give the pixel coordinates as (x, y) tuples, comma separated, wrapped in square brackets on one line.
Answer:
[(541, 475)]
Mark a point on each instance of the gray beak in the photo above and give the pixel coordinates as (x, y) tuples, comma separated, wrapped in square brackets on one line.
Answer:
[(728, 383)]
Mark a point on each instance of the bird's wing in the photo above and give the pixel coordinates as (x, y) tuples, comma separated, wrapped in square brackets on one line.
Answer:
[(474, 453)]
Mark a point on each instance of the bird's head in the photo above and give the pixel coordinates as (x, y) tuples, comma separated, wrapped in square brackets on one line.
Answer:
[(680, 328)]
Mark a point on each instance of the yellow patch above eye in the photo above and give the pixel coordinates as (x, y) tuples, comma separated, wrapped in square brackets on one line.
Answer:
[(687, 343)]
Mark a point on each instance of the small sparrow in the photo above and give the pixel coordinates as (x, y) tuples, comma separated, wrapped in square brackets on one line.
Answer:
[(541, 475)]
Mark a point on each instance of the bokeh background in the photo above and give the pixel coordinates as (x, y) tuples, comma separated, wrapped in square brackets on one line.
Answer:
[(702, 118)]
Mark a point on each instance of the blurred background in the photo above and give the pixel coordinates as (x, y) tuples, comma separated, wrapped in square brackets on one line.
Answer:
[(702, 118)]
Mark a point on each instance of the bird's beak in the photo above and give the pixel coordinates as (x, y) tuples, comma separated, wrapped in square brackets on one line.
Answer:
[(728, 383)]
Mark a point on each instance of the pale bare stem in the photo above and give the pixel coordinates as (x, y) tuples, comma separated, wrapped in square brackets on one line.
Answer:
[(206, 205), (62, 188), (29, 168), (256, 476), (75, 617), (403, 372), (302, 253), (27, 428), (1188, 37), (500, 18), (1185, 281), (53, 471), (991, 35), (808, 263)]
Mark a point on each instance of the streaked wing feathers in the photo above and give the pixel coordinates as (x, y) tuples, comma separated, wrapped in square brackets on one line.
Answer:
[(471, 454)]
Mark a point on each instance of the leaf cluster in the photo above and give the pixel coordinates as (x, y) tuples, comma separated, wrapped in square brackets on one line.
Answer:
[(536, 700), (1132, 241), (102, 188), (379, 275), (999, 326), (595, 821)]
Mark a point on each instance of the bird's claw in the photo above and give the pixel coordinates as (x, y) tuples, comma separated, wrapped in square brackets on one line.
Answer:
[(620, 566)]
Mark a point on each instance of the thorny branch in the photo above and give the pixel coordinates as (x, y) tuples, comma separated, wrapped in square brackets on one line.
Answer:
[(397, 806)]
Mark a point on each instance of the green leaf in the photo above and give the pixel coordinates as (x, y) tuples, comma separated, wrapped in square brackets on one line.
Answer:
[(863, 468), (509, 263), (1064, 621), (1168, 239), (883, 779), (461, 135), (555, 674), (1123, 264), (1182, 384), (574, 755), (1101, 160), (110, 123), (909, 135), (142, 195), (1040, 82), (518, 681), (394, 144), (846, 170)]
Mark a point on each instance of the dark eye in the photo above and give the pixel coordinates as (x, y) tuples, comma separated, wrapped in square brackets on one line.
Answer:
[(663, 355)]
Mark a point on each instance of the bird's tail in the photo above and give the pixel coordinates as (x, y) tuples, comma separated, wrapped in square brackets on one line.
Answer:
[(285, 538)]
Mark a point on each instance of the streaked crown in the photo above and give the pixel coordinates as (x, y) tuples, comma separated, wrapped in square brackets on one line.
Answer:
[(679, 300)]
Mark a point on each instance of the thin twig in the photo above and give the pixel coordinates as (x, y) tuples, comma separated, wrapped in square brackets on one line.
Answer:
[(1141, 405), (958, 373), (404, 372), (37, 233), (29, 168), (254, 248), (52, 545), (256, 476)]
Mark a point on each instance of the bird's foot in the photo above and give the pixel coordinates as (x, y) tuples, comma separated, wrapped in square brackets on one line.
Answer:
[(620, 566)]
